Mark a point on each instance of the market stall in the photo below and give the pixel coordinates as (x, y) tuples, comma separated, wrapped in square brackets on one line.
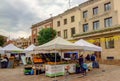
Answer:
[(90, 48), (58, 44), (39, 61), (13, 53)]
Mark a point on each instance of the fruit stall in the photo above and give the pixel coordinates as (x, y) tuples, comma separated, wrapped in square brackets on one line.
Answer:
[(58, 45)]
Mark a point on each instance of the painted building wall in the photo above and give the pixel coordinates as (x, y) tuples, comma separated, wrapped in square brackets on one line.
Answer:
[(36, 28), (67, 15), (101, 33)]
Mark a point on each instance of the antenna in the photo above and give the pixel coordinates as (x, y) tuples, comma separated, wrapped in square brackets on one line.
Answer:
[(69, 4)]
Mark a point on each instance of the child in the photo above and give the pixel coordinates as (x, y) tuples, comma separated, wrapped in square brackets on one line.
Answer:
[(84, 68)]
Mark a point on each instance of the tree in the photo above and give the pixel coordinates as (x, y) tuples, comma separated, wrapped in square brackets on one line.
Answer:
[(2, 40), (46, 35)]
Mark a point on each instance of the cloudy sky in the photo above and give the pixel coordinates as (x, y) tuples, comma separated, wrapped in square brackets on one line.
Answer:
[(17, 16)]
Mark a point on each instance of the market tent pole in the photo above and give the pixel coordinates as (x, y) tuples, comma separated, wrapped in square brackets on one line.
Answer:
[(61, 55), (55, 66)]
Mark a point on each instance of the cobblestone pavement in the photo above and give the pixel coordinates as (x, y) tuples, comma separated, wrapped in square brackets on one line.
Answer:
[(104, 73)]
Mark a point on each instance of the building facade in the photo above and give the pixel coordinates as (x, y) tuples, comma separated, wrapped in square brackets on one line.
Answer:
[(67, 24), (96, 21), (22, 42), (100, 23), (39, 26)]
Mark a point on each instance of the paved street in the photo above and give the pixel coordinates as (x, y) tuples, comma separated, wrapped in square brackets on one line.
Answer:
[(105, 73)]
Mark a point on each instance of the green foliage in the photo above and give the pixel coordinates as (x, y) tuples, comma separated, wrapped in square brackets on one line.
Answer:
[(2, 40), (46, 35)]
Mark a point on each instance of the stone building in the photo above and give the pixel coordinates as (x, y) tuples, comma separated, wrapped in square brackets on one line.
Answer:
[(22, 42), (67, 24), (96, 21), (100, 23)]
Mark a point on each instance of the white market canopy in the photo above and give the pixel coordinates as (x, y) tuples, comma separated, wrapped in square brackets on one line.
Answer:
[(11, 47), (30, 48), (88, 46), (1, 50), (58, 44)]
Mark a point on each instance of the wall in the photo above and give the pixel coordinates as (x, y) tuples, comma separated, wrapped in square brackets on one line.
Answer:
[(67, 15)]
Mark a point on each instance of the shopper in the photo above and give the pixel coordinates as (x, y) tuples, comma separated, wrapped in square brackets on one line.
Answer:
[(81, 61), (93, 57), (95, 64), (87, 57), (4, 62), (7, 60), (85, 68)]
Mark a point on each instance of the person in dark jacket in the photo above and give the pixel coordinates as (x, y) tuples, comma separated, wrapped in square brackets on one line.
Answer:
[(81, 61), (6, 65), (4, 62), (93, 57), (95, 64), (83, 66), (87, 57)]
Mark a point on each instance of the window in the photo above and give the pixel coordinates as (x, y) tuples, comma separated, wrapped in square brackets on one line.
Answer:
[(72, 18), (72, 31), (85, 14), (65, 33), (95, 11), (108, 22), (85, 27), (107, 6), (96, 25), (59, 33), (110, 58), (65, 21), (58, 23), (109, 43)]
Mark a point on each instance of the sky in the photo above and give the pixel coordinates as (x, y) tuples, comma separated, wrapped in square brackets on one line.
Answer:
[(17, 16)]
